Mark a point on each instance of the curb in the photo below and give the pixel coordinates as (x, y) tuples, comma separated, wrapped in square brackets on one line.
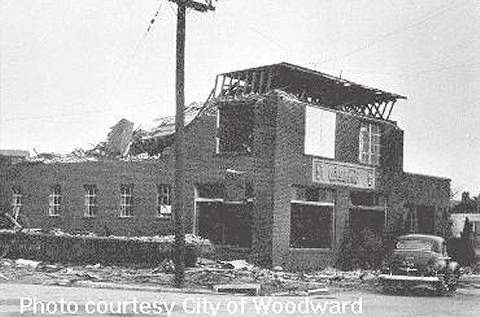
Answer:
[(133, 287)]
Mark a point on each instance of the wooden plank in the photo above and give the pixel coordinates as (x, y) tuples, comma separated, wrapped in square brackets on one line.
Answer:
[(251, 289)]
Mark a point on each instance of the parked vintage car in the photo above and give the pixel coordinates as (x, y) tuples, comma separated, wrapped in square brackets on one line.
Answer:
[(420, 262)]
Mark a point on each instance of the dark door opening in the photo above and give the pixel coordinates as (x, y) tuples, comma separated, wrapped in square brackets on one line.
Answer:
[(225, 223), (367, 229)]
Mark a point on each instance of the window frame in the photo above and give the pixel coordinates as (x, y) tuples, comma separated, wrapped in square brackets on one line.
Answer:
[(126, 201), (17, 201), (164, 201), (90, 201), (369, 151), (55, 201)]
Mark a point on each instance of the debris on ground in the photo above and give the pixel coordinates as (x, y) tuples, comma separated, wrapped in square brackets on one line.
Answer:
[(236, 276), (27, 263)]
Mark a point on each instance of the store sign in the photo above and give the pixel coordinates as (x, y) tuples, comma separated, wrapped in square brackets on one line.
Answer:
[(336, 173)]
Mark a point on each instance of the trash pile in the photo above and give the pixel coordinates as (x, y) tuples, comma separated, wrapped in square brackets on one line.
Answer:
[(276, 281)]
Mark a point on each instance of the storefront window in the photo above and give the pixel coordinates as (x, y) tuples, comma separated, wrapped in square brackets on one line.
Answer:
[(221, 221), (311, 217)]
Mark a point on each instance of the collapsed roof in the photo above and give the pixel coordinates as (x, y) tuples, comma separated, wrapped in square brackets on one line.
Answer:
[(308, 85)]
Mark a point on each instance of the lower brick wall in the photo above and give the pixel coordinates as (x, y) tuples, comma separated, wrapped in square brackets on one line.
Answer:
[(36, 180)]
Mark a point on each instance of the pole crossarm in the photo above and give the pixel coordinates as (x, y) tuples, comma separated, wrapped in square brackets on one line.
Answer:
[(202, 7)]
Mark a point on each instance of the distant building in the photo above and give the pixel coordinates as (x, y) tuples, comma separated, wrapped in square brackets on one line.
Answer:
[(14, 155), (283, 163), (467, 207)]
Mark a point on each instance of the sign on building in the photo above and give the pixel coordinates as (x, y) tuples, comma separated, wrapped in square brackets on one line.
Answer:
[(336, 173)]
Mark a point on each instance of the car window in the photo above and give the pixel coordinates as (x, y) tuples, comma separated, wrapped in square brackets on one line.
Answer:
[(414, 245)]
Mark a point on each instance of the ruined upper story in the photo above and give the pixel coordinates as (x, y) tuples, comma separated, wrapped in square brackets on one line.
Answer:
[(294, 112), (290, 112)]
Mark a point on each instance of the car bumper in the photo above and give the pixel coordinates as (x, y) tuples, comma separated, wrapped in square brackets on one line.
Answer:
[(407, 278)]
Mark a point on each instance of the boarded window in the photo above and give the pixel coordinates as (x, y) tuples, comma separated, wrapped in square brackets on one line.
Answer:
[(319, 132), (235, 128)]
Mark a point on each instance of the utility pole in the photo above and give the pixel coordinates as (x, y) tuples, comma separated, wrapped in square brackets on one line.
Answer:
[(179, 188)]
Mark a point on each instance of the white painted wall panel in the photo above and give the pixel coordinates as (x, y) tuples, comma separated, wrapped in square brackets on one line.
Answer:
[(320, 132)]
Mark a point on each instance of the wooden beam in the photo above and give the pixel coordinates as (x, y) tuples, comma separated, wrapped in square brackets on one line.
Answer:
[(247, 83), (216, 84), (390, 110), (254, 80), (385, 108), (222, 86), (202, 7), (260, 83), (269, 81)]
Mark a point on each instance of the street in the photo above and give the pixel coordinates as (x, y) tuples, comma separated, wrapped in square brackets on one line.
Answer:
[(33, 300)]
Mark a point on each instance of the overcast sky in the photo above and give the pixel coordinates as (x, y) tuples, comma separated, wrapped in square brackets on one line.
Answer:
[(70, 69)]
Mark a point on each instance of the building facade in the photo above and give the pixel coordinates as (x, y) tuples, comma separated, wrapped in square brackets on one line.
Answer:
[(282, 162)]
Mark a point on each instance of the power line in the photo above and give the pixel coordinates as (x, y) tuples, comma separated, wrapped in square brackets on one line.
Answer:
[(424, 19), (132, 57), (256, 31)]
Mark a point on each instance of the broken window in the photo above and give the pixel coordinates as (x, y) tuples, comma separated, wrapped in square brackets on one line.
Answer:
[(369, 140), (311, 217), (55, 200), (16, 201), (222, 222), (90, 200), (368, 214), (164, 201), (235, 128), (319, 132), (126, 200), (367, 199)]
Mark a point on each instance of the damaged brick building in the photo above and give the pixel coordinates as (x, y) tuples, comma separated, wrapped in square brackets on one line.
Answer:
[(282, 163)]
